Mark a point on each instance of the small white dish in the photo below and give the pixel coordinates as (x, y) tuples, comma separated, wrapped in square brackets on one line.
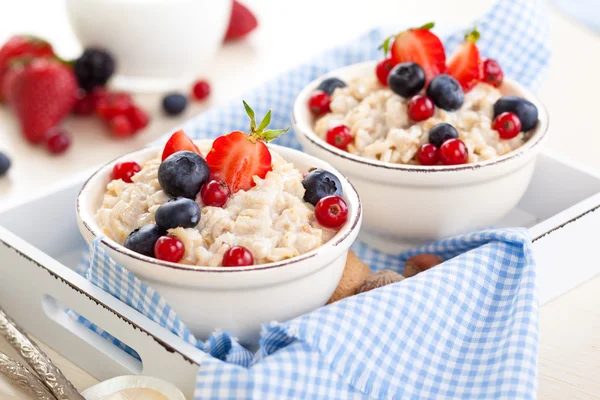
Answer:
[(407, 205), (235, 299), (132, 387)]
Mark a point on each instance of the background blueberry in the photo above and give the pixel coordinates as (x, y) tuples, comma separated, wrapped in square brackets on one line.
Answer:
[(406, 79), (183, 174), (180, 212), (174, 103), (4, 164), (524, 109), (442, 132), (446, 92), (143, 239), (330, 84), (320, 183)]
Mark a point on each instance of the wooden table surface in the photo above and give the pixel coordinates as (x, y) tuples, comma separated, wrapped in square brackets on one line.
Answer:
[(569, 325)]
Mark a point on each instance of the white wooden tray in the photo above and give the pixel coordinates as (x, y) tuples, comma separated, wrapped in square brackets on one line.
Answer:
[(40, 246)]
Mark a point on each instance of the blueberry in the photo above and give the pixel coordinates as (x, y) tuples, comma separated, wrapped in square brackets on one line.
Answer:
[(330, 84), (4, 164), (180, 212), (143, 239), (320, 183), (174, 103), (442, 132), (183, 174), (406, 79), (446, 92), (524, 109)]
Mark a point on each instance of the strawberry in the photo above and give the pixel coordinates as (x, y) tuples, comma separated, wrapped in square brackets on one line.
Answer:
[(237, 157), (465, 65), (179, 141), (42, 94), (420, 46), (241, 22)]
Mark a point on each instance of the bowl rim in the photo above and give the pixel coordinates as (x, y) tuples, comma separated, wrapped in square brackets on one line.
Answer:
[(346, 231), (302, 127)]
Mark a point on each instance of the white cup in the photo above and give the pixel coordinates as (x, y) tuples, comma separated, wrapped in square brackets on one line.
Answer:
[(158, 44)]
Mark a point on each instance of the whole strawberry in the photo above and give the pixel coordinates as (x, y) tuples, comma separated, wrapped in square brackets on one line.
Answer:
[(42, 93)]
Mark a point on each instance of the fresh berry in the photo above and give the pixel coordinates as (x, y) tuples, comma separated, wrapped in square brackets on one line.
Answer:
[(420, 108), (241, 22), (465, 64), (492, 73), (319, 102), (85, 105), (174, 103), (330, 84), (215, 193), (7, 82), (446, 93), (4, 164), (94, 68), (237, 256), (454, 152), (43, 93), (139, 118), (331, 211), (143, 239), (112, 104), (319, 184), (125, 170), (168, 248), (524, 109), (22, 46), (121, 127), (183, 174), (201, 90), (339, 136), (382, 70), (178, 213), (179, 141), (406, 79), (236, 158), (507, 124), (57, 141), (439, 133), (428, 154), (421, 46)]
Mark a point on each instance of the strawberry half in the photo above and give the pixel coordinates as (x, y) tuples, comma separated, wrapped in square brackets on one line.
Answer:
[(420, 46), (465, 65), (179, 141), (237, 157), (241, 22)]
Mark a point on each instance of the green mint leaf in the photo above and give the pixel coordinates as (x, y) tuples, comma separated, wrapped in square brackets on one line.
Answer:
[(265, 122), (272, 134), (250, 113)]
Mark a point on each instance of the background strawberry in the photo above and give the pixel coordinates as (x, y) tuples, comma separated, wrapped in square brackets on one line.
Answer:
[(43, 92), (465, 65), (241, 22)]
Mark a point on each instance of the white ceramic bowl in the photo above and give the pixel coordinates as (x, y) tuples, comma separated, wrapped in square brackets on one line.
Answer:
[(236, 299), (158, 44), (406, 205)]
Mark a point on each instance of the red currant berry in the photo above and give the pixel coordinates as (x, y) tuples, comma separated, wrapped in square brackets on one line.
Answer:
[(125, 170), (169, 248), (339, 136), (428, 154), (201, 90), (382, 70), (121, 127), (319, 103), (85, 105), (454, 152), (237, 256), (215, 193), (331, 211), (138, 118), (110, 105), (492, 73), (507, 124), (420, 108), (57, 141)]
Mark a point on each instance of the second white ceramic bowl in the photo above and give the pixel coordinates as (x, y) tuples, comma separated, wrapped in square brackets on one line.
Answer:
[(407, 205), (235, 299)]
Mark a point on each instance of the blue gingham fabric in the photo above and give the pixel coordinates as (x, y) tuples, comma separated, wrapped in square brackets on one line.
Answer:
[(464, 329)]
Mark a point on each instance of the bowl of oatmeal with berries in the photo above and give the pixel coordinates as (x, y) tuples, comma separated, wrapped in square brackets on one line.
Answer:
[(435, 145), (232, 232)]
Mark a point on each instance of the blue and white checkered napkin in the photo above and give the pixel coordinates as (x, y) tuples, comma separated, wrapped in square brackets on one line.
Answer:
[(464, 329)]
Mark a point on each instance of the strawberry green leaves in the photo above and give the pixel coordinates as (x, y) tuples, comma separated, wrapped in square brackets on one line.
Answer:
[(260, 132)]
